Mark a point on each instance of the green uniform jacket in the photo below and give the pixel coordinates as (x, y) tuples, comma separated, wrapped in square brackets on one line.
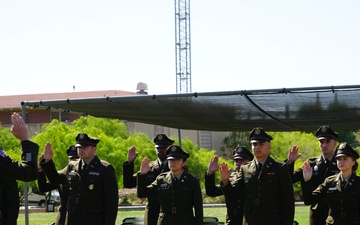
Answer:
[(344, 203), (63, 190), (26, 170), (234, 207), (10, 202), (152, 208), (319, 211), (93, 197), (269, 197), (176, 203)]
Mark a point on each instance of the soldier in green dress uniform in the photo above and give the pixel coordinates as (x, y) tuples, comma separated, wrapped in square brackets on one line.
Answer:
[(265, 184), (92, 185), (178, 191), (235, 207), (160, 165)]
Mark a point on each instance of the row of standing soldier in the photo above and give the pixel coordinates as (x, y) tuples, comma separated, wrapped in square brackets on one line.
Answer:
[(265, 194), (260, 187)]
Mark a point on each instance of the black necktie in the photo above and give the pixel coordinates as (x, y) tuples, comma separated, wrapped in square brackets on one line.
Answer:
[(259, 168), (327, 162), (175, 181), (343, 184), (83, 168)]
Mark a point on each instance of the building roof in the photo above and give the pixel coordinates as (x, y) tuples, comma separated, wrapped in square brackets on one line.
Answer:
[(293, 109), (14, 101)]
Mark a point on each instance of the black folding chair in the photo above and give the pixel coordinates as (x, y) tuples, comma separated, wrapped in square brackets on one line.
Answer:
[(209, 220), (133, 221)]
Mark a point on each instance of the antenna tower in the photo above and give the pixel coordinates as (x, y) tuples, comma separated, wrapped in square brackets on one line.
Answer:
[(183, 46)]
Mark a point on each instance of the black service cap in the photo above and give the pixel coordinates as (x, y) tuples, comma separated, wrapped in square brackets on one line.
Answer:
[(83, 139), (161, 140), (344, 149), (175, 152), (259, 135), (72, 152), (242, 153), (325, 132)]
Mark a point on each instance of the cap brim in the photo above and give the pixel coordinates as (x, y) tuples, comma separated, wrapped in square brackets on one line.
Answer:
[(325, 138), (161, 146), (347, 155), (83, 144), (239, 157), (175, 157), (259, 140)]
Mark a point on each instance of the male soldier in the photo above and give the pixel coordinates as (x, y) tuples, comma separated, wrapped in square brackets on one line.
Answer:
[(12, 170), (45, 186), (264, 183), (10, 201), (162, 142), (93, 191), (323, 166), (235, 207)]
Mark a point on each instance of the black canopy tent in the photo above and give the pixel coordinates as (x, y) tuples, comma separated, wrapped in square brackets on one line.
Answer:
[(285, 109)]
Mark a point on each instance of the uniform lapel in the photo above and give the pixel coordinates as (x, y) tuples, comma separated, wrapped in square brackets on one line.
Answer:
[(77, 166), (252, 168), (182, 179), (338, 183), (94, 163), (268, 164), (168, 179), (350, 183)]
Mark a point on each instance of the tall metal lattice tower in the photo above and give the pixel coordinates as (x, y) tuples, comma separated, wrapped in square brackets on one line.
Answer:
[(183, 46)]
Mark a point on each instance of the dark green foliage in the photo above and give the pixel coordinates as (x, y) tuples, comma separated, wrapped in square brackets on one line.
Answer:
[(232, 141), (115, 141)]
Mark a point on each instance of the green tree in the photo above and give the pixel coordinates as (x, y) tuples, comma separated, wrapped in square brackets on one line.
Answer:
[(348, 136), (232, 141), (114, 139), (114, 144)]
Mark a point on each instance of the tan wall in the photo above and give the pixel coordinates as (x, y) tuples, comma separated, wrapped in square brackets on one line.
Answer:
[(193, 135)]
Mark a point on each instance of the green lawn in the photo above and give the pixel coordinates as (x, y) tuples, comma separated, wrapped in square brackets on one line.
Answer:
[(46, 218)]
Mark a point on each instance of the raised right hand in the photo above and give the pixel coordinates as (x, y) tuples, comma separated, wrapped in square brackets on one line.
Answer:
[(48, 152), (307, 171), (132, 154), (293, 154), (213, 165), (145, 166), (225, 172)]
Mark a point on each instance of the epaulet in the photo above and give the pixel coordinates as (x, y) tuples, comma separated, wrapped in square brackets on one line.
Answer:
[(195, 176), (331, 177), (162, 174), (279, 162), (312, 159), (105, 163)]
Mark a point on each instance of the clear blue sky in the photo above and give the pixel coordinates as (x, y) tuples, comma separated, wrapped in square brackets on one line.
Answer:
[(49, 46)]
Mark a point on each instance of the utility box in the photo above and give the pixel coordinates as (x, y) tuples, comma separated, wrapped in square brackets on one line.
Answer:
[(50, 206)]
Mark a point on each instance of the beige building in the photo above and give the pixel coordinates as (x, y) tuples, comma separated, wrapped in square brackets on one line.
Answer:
[(38, 116)]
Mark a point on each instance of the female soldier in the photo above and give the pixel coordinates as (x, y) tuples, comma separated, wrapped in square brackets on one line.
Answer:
[(178, 191), (342, 190)]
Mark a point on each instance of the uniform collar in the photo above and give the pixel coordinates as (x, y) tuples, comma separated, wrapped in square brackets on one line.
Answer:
[(178, 176)]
